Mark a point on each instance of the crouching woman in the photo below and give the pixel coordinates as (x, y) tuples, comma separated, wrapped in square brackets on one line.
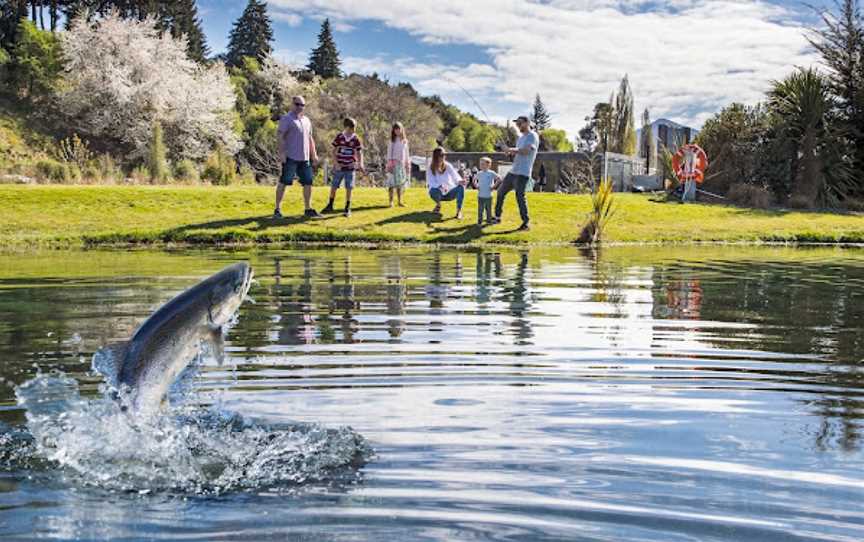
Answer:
[(444, 183)]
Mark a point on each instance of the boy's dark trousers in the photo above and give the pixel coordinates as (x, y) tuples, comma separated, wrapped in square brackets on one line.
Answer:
[(484, 206)]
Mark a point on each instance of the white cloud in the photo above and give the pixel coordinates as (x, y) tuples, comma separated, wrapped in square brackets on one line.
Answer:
[(291, 19), (291, 57), (686, 59)]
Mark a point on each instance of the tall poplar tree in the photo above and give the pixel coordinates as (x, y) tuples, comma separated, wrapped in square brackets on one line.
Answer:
[(324, 60), (252, 34), (623, 132), (647, 146)]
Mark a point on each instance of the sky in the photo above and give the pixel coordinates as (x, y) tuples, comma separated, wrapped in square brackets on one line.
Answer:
[(685, 59)]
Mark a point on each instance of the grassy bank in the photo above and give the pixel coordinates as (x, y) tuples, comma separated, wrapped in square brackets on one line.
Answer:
[(97, 215)]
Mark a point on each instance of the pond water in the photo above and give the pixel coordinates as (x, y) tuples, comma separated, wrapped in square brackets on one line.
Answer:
[(656, 394)]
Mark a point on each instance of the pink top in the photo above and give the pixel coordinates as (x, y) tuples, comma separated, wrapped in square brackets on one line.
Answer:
[(398, 151)]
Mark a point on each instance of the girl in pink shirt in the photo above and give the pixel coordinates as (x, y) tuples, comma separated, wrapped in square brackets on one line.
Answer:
[(398, 163)]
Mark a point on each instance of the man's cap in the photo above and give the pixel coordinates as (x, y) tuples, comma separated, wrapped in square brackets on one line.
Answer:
[(522, 118)]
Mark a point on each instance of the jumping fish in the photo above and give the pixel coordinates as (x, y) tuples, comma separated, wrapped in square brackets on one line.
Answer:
[(147, 365)]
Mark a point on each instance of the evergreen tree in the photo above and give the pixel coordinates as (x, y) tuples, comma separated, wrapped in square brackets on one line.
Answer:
[(185, 21), (647, 146), (324, 60), (540, 117), (11, 13), (840, 43), (252, 34), (36, 60), (157, 155), (623, 133)]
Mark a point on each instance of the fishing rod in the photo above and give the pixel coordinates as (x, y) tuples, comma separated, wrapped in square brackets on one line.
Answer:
[(502, 145)]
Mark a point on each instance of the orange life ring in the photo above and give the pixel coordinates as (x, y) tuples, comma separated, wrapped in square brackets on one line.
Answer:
[(695, 169)]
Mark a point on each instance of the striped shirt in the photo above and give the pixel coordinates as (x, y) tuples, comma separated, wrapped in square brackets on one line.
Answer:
[(348, 149)]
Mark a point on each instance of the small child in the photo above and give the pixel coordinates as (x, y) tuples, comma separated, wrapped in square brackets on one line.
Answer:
[(398, 163), (487, 181), (348, 153)]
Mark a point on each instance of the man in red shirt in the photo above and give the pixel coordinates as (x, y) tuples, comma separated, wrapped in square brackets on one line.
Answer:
[(348, 154)]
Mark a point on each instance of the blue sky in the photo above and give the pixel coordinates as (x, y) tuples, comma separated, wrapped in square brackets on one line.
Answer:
[(685, 59)]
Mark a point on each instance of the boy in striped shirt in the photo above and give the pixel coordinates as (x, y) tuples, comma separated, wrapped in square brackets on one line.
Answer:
[(348, 154)]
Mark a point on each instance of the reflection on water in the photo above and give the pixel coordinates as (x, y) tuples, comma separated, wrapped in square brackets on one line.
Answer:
[(631, 394)]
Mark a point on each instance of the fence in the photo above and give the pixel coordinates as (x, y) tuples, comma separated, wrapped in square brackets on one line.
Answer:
[(622, 169)]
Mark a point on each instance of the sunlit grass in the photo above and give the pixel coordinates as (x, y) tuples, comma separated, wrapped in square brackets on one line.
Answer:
[(95, 215)]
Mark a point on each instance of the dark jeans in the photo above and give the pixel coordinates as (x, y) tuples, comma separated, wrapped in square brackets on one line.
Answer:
[(457, 193), (511, 182), (484, 207)]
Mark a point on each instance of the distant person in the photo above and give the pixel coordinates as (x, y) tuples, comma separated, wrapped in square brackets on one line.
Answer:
[(297, 154), (444, 182), (398, 163), (524, 153), (487, 181), (541, 178), (348, 158)]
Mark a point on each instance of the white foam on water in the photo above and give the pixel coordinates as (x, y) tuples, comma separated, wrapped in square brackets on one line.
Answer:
[(183, 449)]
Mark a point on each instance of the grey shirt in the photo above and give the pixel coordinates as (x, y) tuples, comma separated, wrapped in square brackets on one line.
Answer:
[(524, 163)]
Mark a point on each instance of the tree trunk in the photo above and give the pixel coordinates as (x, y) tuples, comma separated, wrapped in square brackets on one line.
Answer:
[(52, 12), (809, 179)]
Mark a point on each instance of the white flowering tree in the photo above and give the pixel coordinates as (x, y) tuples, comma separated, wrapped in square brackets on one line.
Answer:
[(122, 77), (277, 81)]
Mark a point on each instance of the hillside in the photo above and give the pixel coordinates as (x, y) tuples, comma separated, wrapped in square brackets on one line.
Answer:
[(21, 144)]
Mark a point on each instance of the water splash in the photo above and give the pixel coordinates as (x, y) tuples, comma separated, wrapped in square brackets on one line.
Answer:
[(190, 450)]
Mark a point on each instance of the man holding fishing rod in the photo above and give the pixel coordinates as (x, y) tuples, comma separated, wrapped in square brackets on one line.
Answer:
[(524, 154)]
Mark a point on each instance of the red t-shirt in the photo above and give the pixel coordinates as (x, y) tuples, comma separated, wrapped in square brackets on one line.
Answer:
[(347, 151)]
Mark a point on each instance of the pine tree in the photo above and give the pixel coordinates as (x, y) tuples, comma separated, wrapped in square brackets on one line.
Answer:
[(324, 60), (185, 21), (540, 117), (11, 13), (252, 34)]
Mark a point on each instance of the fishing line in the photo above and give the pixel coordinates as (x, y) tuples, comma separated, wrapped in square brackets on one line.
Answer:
[(501, 143)]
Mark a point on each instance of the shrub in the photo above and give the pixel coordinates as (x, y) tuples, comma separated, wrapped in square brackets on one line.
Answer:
[(140, 175), (246, 176), (91, 174), (57, 172), (602, 210), (855, 205), (186, 171), (801, 201), (74, 150), (109, 171), (219, 169), (749, 195)]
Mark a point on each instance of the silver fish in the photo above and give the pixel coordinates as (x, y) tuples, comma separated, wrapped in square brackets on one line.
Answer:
[(149, 363)]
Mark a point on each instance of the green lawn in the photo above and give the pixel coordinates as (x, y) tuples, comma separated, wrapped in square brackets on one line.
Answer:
[(94, 215)]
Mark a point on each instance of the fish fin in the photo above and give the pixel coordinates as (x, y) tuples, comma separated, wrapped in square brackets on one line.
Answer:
[(217, 345), (108, 360)]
